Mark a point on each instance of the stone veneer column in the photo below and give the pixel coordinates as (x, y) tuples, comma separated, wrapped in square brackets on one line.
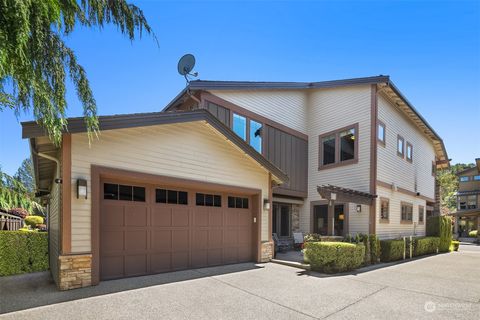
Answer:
[(295, 218), (266, 251), (75, 271)]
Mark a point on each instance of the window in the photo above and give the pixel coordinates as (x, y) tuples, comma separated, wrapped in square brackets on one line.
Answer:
[(347, 145), (381, 133), (409, 152), (476, 178), (240, 126), (464, 179), (340, 147), (171, 196), (256, 135), (467, 202), (421, 214), (237, 202), (384, 209), (208, 200), (407, 212), (328, 144), (400, 146), (434, 169), (123, 192)]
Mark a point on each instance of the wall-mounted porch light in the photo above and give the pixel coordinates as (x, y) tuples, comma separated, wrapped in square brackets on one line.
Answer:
[(359, 208), (266, 204), (81, 188)]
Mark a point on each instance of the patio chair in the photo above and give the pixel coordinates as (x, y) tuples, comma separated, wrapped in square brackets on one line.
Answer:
[(281, 245), (297, 240)]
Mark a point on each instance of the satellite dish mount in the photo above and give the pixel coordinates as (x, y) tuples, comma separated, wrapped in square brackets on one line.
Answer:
[(185, 66)]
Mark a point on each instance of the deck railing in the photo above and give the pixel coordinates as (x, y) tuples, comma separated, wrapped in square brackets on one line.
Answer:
[(10, 222)]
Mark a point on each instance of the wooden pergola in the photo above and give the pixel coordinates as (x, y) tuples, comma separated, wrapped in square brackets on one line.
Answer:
[(339, 194)]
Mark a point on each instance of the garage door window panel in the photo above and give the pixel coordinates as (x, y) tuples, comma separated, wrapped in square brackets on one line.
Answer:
[(171, 196)]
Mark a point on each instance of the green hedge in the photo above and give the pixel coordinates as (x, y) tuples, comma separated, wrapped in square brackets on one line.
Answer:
[(22, 252), (372, 246), (425, 245), (473, 233), (391, 250), (440, 226), (331, 257)]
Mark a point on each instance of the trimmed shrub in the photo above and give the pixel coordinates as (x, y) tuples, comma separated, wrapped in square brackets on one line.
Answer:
[(425, 245), (311, 237), (331, 257), (455, 245), (440, 226), (32, 221), (391, 250), (22, 252), (374, 248), (473, 233)]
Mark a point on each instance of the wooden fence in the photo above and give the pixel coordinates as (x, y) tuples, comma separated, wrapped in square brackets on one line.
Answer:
[(10, 222)]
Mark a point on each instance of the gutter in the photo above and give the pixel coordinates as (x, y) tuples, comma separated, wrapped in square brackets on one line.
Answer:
[(46, 156)]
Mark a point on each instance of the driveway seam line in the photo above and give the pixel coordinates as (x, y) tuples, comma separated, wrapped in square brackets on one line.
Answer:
[(355, 302), (258, 296)]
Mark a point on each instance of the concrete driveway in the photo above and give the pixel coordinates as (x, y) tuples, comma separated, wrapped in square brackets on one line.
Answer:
[(445, 286)]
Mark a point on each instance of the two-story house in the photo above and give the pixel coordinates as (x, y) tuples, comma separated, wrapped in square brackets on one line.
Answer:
[(226, 164), (468, 200)]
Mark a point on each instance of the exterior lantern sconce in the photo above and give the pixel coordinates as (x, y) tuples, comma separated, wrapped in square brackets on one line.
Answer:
[(81, 188), (359, 208), (266, 204)]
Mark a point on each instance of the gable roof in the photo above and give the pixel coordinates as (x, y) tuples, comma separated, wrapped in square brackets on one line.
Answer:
[(383, 82), (34, 131)]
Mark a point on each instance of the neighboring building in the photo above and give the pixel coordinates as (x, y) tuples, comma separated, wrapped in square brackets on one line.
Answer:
[(468, 200), (208, 180)]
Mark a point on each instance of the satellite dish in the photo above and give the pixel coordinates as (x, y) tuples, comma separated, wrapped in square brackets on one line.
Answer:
[(186, 64)]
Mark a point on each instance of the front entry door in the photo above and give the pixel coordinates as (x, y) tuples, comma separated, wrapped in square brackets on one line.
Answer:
[(321, 221), (281, 219)]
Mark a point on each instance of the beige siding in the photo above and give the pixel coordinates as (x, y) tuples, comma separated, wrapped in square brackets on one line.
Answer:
[(416, 176), (54, 228), (191, 151), (394, 229), (358, 221), (287, 107), (332, 109)]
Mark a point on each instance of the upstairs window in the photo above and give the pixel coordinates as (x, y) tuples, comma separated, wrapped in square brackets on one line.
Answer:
[(256, 135), (400, 146), (464, 179), (476, 178), (407, 212), (384, 209), (339, 147), (409, 152), (381, 133), (347, 144), (240, 126), (328, 144), (467, 202)]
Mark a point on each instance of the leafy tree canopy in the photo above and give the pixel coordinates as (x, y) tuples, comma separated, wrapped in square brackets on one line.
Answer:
[(449, 185), (25, 175), (13, 194), (35, 62)]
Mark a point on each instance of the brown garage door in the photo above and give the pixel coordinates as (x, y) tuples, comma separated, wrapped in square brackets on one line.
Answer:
[(149, 229)]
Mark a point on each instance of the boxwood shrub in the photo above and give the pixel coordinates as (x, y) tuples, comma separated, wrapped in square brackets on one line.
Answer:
[(455, 245), (391, 250), (22, 252), (425, 245), (331, 257), (473, 234), (441, 226)]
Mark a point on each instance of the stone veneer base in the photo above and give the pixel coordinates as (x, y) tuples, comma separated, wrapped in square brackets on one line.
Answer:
[(75, 271), (266, 251)]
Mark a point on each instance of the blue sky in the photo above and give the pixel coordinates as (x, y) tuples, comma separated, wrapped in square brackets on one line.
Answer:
[(430, 49)]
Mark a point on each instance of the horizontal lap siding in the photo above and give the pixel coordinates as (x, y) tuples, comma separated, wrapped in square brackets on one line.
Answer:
[(392, 168), (395, 229), (287, 107), (191, 151), (54, 229), (332, 109)]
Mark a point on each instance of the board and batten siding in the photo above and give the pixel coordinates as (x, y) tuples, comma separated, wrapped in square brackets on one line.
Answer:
[(289, 154), (394, 228), (192, 151), (329, 110), (54, 208), (287, 107), (415, 176)]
